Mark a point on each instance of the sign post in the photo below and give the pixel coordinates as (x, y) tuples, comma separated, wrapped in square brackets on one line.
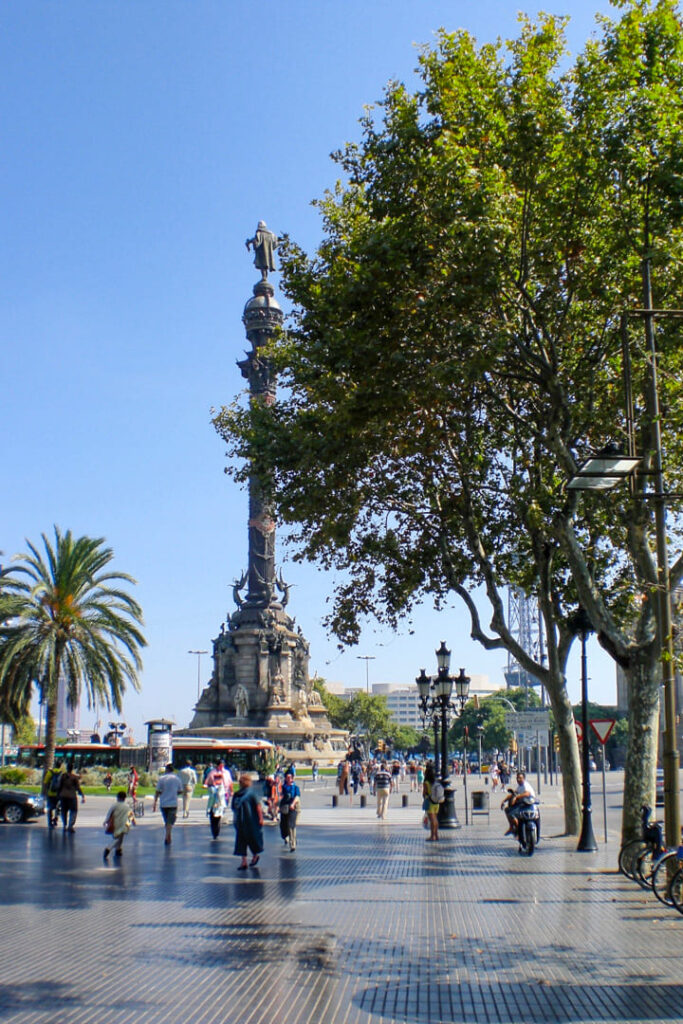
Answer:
[(531, 729), (602, 727)]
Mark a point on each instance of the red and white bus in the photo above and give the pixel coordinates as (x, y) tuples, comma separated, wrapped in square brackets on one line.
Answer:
[(243, 754)]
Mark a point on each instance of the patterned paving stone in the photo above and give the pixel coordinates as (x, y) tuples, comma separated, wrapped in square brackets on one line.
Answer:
[(365, 924)]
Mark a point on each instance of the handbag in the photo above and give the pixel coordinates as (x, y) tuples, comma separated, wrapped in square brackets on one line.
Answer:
[(109, 826), (425, 803)]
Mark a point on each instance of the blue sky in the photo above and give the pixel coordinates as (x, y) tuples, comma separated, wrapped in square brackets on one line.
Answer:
[(143, 140)]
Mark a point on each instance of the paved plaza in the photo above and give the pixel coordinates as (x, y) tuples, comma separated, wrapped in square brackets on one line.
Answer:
[(365, 924)]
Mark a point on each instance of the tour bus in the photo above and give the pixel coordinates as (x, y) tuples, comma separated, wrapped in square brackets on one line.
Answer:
[(243, 754)]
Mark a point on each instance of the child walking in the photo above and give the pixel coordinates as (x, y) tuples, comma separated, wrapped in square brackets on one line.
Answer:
[(117, 823)]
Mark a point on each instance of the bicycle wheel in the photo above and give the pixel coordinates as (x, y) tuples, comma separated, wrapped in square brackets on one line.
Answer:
[(646, 862), (676, 891), (628, 856), (664, 871)]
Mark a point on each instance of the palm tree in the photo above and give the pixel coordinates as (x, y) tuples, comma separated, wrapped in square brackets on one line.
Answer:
[(64, 617)]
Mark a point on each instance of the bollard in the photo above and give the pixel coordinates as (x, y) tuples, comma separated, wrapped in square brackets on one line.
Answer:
[(362, 800), (334, 799), (404, 800)]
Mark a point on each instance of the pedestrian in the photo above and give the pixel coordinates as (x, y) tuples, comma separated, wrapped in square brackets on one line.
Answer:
[(382, 789), (356, 773), (226, 776), (169, 788), (117, 822), (431, 809), (314, 771), (420, 777), (50, 790), (108, 780), (188, 777), (495, 776), (290, 805), (395, 776), (217, 803), (68, 793), (133, 779), (412, 772), (272, 788), (248, 822), (343, 778)]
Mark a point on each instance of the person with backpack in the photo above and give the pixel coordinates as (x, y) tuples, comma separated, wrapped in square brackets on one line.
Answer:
[(51, 781), (433, 796)]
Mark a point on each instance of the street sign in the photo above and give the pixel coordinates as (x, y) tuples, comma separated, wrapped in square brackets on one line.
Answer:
[(602, 727), (533, 737), (579, 731), (527, 721)]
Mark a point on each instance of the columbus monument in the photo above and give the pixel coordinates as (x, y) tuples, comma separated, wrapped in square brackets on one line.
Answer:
[(260, 686)]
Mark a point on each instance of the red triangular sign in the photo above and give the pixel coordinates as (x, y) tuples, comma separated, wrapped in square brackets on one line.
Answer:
[(602, 727), (579, 731)]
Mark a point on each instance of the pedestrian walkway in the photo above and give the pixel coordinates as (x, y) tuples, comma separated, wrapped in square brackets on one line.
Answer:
[(365, 924)]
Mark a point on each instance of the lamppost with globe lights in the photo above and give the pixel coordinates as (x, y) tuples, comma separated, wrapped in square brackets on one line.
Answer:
[(118, 729), (429, 711), (583, 627), (435, 701)]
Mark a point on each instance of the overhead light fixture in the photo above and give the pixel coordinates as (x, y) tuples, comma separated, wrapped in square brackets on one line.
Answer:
[(604, 470)]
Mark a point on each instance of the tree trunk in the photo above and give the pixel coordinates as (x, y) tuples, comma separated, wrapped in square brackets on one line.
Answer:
[(569, 756), (643, 677), (50, 731)]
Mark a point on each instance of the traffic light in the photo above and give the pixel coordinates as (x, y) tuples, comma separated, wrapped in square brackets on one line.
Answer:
[(556, 744)]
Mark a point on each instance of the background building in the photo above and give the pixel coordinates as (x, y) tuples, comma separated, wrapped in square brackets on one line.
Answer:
[(403, 701)]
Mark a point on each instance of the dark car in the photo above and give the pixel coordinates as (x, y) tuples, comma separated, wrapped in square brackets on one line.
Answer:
[(16, 806)]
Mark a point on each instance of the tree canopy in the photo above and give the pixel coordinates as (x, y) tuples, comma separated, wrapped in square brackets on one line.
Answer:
[(65, 618), (455, 346)]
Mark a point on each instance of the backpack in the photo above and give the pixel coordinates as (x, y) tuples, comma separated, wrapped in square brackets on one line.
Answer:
[(53, 784), (437, 794)]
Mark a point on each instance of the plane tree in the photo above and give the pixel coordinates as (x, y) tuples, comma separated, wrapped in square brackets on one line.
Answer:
[(455, 349)]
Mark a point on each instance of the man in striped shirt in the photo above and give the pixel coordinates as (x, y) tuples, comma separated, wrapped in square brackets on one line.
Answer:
[(382, 789)]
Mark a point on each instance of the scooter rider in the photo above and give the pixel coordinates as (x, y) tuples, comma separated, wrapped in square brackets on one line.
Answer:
[(516, 799)]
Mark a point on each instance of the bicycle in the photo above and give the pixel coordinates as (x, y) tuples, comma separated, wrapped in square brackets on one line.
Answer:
[(676, 887), (663, 874), (650, 844)]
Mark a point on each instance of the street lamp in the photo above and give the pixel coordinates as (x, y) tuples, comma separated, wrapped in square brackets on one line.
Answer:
[(582, 626), (199, 659), (428, 711), (604, 470), (670, 754), (118, 729), (366, 658), (480, 733), (435, 701)]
